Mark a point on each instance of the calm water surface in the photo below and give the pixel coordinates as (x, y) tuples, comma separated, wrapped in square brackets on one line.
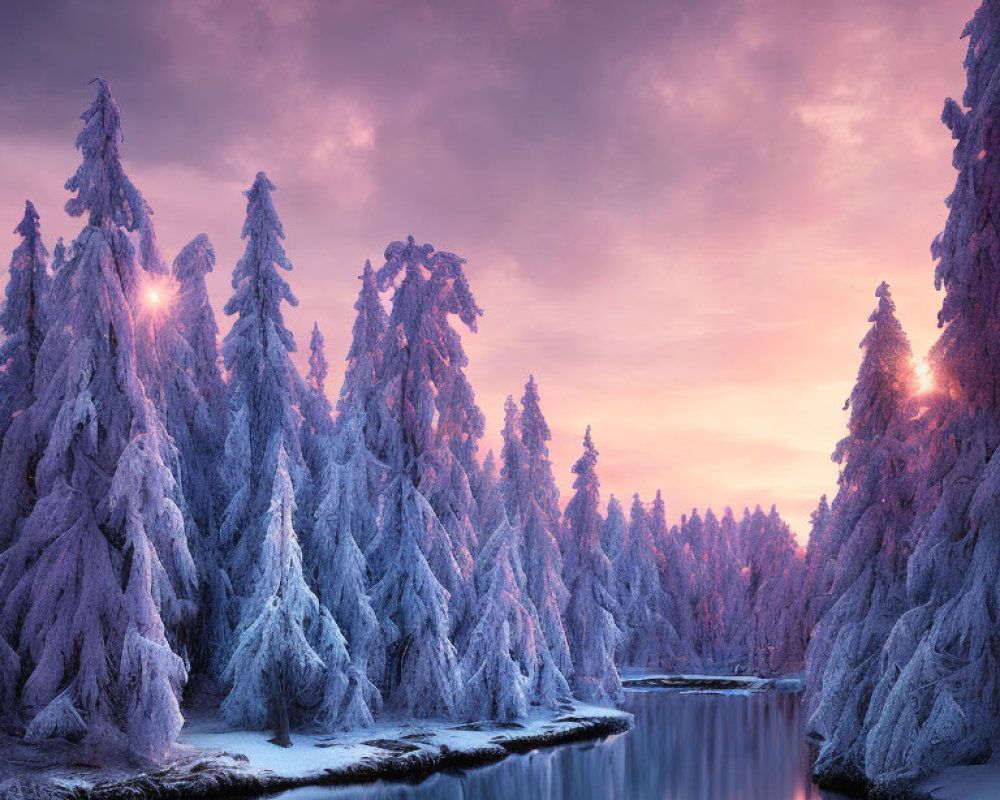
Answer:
[(685, 746)]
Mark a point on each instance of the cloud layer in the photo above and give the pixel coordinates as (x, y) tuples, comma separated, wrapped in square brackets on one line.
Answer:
[(674, 214)]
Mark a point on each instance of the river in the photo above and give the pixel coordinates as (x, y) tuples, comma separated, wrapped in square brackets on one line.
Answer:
[(684, 746)]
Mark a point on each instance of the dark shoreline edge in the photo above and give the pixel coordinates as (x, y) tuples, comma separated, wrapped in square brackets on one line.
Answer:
[(207, 778)]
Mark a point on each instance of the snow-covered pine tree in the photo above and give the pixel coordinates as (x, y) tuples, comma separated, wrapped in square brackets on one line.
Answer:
[(776, 570), (102, 563), (513, 473), (431, 406), (676, 570), (360, 389), (59, 256), (489, 496), (590, 620), (538, 510), (938, 688), (506, 666), (821, 567), (194, 396), (714, 569), (23, 317), (423, 568), (316, 433), (23, 322), (289, 654), (614, 531), (732, 587), (422, 673), (195, 319), (345, 517), (649, 639), (264, 417), (865, 538)]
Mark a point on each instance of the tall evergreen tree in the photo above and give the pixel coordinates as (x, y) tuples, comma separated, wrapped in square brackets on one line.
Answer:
[(614, 531), (775, 570), (345, 518), (590, 621), (649, 639), (676, 570), (733, 589), (23, 322), (23, 317), (538, 510), (59, 256), (507, 666), (866, 541), (821, 566), (937, 689), (194, 394), (421, 553), (360, 389), (100, 579), (288, 653), (430, 402), (290, 656)]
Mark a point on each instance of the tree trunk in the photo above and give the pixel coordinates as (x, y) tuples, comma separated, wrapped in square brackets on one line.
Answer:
[(279, 714)]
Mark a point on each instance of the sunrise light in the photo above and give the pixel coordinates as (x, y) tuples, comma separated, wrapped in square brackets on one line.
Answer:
[(925, 378), (158, 296)]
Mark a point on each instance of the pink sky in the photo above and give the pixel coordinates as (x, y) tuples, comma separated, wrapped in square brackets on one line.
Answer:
[(675, 214)]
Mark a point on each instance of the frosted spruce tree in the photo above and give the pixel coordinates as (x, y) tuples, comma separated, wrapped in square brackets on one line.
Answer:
[(360, 389), (489, 496), (513, 473), (315, 434), (775, 572), (290, 656), (100, 576), (424, 370), (421, 564), (362, 404), (507, 666), (732, 586), (676, 570), (538, 510), (614, 531), (716, 574), (821, 568), (866, 539), (23, 317), (23, 322), (590, 619), (649, 640), (194, 397), (937, 685), (345, 517), (289, 659)]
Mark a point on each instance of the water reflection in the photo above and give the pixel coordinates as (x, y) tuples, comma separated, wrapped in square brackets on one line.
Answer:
[(685, 746)]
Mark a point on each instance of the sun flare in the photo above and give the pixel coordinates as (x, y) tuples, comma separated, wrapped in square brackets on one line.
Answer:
[(157, 296), (925, 378)]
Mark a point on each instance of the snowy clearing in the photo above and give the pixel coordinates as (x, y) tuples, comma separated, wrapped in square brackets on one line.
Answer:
[(211, 761)]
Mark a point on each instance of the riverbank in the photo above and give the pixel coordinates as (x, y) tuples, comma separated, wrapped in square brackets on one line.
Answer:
[(211, 762)]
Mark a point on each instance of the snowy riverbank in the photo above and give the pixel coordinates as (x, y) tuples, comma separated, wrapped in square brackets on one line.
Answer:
[(213, 762)]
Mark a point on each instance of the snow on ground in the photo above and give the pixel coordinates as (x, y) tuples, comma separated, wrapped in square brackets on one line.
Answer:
[(965, 783), (209, 757), (316, 753)]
